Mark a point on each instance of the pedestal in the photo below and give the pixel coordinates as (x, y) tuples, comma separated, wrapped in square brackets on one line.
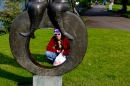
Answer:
[(47, 80)]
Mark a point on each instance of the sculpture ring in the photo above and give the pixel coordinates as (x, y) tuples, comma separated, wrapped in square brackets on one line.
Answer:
[(20, 45)]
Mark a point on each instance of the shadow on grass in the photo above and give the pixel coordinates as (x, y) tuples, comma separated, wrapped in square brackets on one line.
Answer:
[(4, 59), (20, 79), (42, 59)]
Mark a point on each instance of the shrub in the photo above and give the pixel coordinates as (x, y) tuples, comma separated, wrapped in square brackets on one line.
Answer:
[(10, 10)]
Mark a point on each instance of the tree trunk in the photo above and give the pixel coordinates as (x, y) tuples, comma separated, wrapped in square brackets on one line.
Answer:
[(124, 5)]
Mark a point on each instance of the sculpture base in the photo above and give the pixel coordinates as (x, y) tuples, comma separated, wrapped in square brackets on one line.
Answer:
[(47, 80)]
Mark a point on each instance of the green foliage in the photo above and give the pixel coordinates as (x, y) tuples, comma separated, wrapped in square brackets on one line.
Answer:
[(2, 31), (117, 1), (10, 10), (128, 2), (85, 3), (126, 15)]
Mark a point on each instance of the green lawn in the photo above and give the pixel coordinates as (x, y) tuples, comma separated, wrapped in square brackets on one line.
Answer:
[(116, 7), (106, 62)]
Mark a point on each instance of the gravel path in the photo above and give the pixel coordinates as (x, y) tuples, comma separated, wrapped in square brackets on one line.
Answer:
[(98, 17)]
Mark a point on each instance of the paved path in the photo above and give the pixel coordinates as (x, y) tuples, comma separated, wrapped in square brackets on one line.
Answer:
[(98, 17)]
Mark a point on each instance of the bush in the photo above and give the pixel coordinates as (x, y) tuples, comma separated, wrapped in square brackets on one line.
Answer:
[(127, 15), (2, 31), (117, 1), (10, 10), (84, 3)]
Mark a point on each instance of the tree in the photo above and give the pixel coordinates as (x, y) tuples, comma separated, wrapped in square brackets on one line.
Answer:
[(84, 2), (117, 1), (124, 5), (10, 10)]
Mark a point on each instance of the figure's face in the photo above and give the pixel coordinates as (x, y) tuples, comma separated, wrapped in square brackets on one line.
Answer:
[(58, 36)]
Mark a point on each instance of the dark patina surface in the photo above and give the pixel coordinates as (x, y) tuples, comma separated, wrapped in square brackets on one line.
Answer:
[(19, 44)]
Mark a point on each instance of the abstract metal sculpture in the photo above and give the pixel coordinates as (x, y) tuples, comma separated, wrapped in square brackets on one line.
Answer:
[(36, 9), (70, 24), (56, 8)]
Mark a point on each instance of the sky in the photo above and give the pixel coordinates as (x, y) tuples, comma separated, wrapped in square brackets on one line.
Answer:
[(1, 5)]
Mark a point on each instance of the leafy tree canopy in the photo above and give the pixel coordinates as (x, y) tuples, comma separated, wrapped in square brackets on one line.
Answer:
[(10, 10)]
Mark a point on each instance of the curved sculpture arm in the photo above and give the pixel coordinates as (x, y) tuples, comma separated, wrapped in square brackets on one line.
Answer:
[(74, 6), (20, 45)]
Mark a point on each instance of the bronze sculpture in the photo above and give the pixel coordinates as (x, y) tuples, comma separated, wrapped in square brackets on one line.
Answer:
[(56, 8), (36, 9), (72, 24)]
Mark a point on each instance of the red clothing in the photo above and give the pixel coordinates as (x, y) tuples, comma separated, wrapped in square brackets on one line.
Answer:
[(53, 45)]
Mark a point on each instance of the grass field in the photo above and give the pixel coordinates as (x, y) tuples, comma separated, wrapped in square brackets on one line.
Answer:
[(116, 7), (106, 62)]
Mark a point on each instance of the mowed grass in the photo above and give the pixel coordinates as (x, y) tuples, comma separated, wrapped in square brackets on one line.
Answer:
[(116, 7), (106, 62)]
